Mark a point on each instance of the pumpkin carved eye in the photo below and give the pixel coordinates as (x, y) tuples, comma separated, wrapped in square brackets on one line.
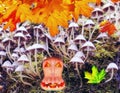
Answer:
[(47, 64), (58, 65)]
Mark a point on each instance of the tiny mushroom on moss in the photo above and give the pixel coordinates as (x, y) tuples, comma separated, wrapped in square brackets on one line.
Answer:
[(111, 68)]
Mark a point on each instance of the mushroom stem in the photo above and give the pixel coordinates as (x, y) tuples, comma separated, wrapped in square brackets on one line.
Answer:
[(8, 52), (21, 78), (63, 50), (94, 28), (37, 36), (87, 54), (78, 73), (91, 34), (30, 63), (82, 26), (55, 48), (112, 73), (10, 75), (1, 60), (19, 45), (36, 62), (47, 47)]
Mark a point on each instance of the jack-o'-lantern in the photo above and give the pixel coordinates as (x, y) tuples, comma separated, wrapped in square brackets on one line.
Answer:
[(52, 68)]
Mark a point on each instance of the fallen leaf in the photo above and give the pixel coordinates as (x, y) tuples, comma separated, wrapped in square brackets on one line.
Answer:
[(106, 26)]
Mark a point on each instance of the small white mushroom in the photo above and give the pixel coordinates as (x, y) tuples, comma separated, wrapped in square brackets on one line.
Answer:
[(80, 54), (88, 46), (72, 47), (59, 41), (59, 44), (19, 50), (20, 38), (77, 59), (89, 23), (7, 64), (102, 35), (22, 30), (80, 39), (38, 30), (23, 58), (111, 68), (108, 7), (73, 24), (71, 30), (97, 13)]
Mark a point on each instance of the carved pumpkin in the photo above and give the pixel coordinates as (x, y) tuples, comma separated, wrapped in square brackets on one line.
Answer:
[(52, 68)]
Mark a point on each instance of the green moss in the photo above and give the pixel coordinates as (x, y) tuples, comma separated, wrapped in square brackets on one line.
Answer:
[(105, 50)]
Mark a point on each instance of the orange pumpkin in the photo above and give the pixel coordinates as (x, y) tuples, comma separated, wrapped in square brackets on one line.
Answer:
[(52, 68)]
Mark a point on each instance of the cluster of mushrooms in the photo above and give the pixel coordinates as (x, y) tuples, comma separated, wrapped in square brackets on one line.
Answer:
[(19, 49)]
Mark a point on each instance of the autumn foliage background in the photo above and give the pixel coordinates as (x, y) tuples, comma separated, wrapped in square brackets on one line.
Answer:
[(50, 12)]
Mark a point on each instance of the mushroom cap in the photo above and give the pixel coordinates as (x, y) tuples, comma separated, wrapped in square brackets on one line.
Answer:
[(77, 59), (40, 47), (20, 68), (38, 28), (59, 41), (97, 12), (7, 40), (102, 35), (14, 55), (7, 64), (80, 54), (88, 45), (73, 24), (22, 29), (2, 53), (19, 35), (72, 47), (46, 36), (18, 50), (111, 66), (89, 23), (80, 38), (23, 58), (108, 5)]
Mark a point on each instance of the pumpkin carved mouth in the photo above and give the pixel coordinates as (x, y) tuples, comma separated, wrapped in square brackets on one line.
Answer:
[(50, 86)]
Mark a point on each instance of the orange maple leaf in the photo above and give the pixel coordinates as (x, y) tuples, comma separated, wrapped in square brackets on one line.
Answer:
[(52, 14), (108, 27), (82, 7), (55, 19), (17, 12)]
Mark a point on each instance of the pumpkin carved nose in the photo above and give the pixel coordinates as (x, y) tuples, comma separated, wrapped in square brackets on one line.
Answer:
[(52, 68)]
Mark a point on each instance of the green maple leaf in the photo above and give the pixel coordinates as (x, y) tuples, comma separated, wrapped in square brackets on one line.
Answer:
[(95, 77)]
